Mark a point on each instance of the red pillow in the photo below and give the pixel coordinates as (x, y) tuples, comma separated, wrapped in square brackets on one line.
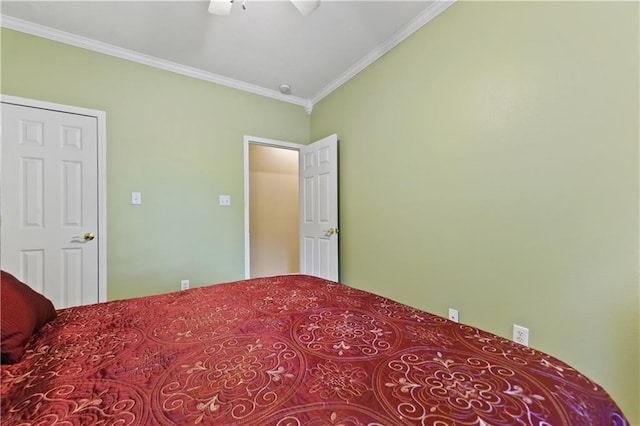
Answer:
[(22, 312)]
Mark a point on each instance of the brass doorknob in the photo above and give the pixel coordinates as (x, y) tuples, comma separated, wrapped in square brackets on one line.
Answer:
[(331, 231), (89, 236)]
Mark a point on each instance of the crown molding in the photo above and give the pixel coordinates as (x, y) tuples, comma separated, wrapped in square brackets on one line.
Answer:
[(427, 15), (130, 55)]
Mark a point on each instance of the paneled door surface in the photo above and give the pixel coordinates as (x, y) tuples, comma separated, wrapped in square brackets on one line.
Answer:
[(319, 208), (49, 202)]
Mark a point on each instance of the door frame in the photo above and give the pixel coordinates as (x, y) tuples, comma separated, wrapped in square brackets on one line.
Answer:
[(254, 140), (101, 121)]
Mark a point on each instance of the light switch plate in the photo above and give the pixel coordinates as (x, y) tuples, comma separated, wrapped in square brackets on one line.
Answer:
[(225, 200), (136, 198)]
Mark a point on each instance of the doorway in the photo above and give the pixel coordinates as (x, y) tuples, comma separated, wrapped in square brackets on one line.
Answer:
[(273, 211), (271, 207), (317, 201)]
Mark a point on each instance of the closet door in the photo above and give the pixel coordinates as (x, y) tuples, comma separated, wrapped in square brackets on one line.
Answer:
[(50, 202)]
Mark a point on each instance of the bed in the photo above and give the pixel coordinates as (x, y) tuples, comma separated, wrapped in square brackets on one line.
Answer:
[(285, 350)]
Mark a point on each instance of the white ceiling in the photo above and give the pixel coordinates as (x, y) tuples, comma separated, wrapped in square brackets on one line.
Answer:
[(256, 49)]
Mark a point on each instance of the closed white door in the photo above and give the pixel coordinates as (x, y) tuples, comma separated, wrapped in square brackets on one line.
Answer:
[(49, 232), (319, 208)]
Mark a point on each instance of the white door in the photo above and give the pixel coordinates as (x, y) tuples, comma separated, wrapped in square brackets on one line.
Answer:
[(49, 203), (319, 208)]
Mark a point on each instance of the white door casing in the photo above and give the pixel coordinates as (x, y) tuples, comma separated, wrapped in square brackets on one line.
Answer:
[(52, 196), (320, 263), (319, 208)]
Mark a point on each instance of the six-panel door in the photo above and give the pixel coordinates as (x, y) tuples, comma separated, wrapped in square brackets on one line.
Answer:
[(49, 202)]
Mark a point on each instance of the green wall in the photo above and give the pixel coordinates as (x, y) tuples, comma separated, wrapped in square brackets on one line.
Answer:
[(177, 140), (490, 163)]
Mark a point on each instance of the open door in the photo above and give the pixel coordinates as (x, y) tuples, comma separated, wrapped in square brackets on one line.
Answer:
[(319, 208)]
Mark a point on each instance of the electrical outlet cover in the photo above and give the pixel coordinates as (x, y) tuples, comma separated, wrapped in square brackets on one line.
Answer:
[(453, 314), (184, 285), (520, 334)]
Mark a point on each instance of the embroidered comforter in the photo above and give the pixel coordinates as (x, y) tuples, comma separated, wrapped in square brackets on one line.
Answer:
[(287, 350)]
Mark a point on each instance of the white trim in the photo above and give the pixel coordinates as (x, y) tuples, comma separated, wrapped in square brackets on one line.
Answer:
[(254, 140), (101, 118), (308, 108), (427, 15), (130, 55)]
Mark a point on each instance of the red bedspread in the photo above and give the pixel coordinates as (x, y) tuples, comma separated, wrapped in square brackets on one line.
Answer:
[(288, 350)]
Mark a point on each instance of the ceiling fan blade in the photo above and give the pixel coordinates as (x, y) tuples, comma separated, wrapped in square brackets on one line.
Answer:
[(220, 7), (306, 7)]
